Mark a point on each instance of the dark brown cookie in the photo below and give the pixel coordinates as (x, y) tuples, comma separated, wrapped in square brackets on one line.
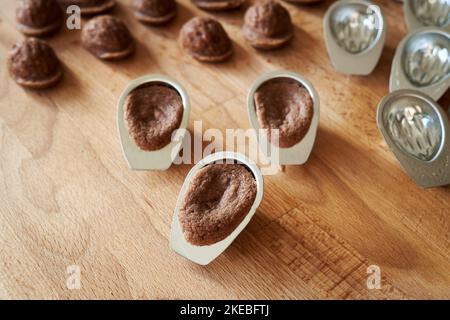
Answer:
[(303, 1), (217, 200), (218, 5), (90, 7), (107, 38), (206, 40), (38, 18), (267, 25), (154, 11), (152, 113), (33, 64), (284, 104)]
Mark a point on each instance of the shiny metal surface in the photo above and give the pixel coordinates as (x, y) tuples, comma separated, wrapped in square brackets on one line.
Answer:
[(426, 58), (414, 127), (354, 27), (432, 12), (417, 131)]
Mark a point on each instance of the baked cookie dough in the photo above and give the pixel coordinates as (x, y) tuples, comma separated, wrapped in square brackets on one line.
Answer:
[(154, 11), (38, 18), (206, 40), (286, 105), (267, 25), (216, 202), (303, 1), (32, 63), (218, 5), (152, 113), (90, 7), (107, 38)]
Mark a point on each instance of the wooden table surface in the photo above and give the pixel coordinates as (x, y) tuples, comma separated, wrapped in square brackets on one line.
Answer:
[(68, 198)]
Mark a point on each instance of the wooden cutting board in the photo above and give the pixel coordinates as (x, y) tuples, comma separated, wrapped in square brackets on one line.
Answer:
[(67, 197)]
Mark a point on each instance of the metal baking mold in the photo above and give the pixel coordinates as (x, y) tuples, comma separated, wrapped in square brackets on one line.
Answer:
[(417, 131), (355, 32), (161, 159), (205, 254), (427, 13), (298, 153), (422, 62)]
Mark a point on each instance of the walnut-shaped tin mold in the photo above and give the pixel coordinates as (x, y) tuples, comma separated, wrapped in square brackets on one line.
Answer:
[(355, 32), (218, 5), (154, 12), (33, 64), (38, 18), (422, 62), (427, 13), (206, 40), (151, 123), (267, 25), (107, 38), (90, 7), (218, 199), (286, 102), (417, 131)]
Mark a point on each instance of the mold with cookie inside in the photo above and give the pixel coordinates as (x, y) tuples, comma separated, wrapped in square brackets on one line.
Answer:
[(157, 153), (296, 145), (212, 246)]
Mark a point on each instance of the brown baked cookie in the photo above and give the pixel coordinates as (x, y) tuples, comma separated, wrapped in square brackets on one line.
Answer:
[(33, 64), (217, 200), (218, 5), (303, 1), (38, 18), (152, 113), (267, 25), (286, 105), (154, 11), (107, 38), (206, 40), (90, 7)]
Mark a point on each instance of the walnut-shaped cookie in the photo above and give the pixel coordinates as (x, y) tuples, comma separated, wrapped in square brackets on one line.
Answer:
[(303, 1), (32, 63), (267, 25), (38, 18), (154, 12), (218, 199), (90, 7), (218, 5), (206, 40), (107, 38), (152, 113)]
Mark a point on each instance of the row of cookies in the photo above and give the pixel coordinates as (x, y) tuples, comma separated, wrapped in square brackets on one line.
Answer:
[(32, 62)]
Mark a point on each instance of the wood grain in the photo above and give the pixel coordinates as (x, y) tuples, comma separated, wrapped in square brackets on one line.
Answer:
[(68, 198)]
